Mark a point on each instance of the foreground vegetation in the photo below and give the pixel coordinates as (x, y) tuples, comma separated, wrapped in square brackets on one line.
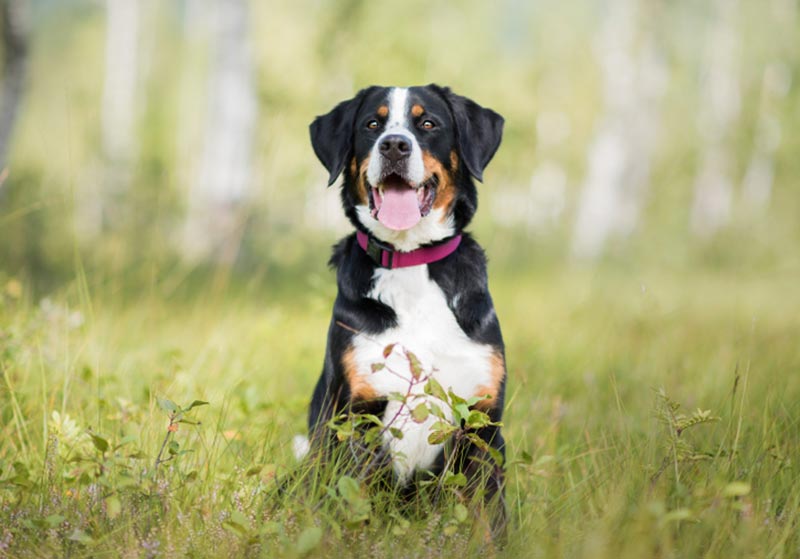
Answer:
[(606, 456)]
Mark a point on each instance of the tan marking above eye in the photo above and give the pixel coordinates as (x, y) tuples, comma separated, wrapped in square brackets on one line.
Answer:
[(383, 111), (417, 110)]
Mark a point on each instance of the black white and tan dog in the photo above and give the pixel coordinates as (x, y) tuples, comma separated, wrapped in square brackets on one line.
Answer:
[(410, 275)]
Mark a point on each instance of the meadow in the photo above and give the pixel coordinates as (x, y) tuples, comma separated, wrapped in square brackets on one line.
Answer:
[(649, 414), (164, 295)]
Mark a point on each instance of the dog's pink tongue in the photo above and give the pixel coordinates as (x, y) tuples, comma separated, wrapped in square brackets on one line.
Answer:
[(400, 207)]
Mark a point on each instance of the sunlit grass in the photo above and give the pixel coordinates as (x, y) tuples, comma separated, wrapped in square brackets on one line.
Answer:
[(590, 471)]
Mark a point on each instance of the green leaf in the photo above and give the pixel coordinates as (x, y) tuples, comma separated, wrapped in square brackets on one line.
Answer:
[(195, 404), (400, 527), (460, 513), (455, 398), (254, 470), (239, 518), (81, 537), (496, 455), (475, 399), (387, 351), (99, 442), (308, 540), (450, 529), (372, 435), (455, 480), (477, 419), (367, 418), (54, 520), (396, 433), (477, 441), (462, 411), (436, 411), (736, 489), (677, 515), (238, 523), (167, 405), (377, 367), (414, 364), (440, 432), (125, 479), (348, 488), (433, 388), (173, 447), (21, 476), (420, 413), (113, 506)]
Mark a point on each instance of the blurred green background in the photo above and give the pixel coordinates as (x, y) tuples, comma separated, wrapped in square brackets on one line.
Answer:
[(165, 227), (159, 141)]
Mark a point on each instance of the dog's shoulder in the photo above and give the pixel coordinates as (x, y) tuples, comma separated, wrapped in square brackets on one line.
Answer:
[(340, 250)]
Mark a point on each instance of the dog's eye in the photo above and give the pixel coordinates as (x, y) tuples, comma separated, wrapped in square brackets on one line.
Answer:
[(428, 124), (372, 124)]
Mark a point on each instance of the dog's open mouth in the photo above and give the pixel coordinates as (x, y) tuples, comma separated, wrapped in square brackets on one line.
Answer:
[(400, 206)]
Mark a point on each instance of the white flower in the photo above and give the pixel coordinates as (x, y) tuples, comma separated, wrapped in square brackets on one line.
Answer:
[(69, 434)]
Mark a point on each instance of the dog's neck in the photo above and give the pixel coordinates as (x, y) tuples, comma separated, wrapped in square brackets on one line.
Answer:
[(386, 256)]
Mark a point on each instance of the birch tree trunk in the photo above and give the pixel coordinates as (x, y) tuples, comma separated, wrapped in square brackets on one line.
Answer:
[(775, 85), (101, 199), (718, 112), (15, 62), (758, 179), (215, 216), (620, 155)]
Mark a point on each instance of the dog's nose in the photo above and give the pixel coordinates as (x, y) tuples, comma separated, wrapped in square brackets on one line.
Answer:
[(395, 147)]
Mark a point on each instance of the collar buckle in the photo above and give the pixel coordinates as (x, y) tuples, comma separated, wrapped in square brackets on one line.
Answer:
[(376, 249)]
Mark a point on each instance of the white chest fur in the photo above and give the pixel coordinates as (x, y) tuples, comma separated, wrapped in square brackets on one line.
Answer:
[(427, 327)]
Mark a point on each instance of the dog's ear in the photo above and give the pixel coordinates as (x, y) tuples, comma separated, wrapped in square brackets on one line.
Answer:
[(332, 135), (478, 130)]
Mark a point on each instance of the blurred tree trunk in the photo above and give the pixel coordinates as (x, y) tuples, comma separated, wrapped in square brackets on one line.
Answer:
[(102, 201), (15, 62), (216, 210), (775, 85), (619, 157), (719, 109), (758, 179)]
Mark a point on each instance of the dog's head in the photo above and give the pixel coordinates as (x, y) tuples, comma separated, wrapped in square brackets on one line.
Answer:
[(409, 156)]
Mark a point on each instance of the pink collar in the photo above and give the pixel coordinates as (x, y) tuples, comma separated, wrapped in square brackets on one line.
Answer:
[(386, 256)]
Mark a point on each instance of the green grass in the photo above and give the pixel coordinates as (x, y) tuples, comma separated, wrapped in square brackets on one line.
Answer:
[(593, 469)]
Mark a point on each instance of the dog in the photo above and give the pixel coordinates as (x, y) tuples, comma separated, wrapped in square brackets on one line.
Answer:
[(413, 301)]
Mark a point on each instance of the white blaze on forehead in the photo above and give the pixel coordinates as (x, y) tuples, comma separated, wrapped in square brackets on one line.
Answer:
[(398, 99), (397, 123)]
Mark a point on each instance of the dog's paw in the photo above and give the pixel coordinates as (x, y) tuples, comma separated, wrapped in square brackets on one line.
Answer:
[(300, 446)]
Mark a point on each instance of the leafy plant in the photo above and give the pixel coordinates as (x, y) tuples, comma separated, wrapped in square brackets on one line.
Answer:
[(453, 420), (177, 415), (679, 450)]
